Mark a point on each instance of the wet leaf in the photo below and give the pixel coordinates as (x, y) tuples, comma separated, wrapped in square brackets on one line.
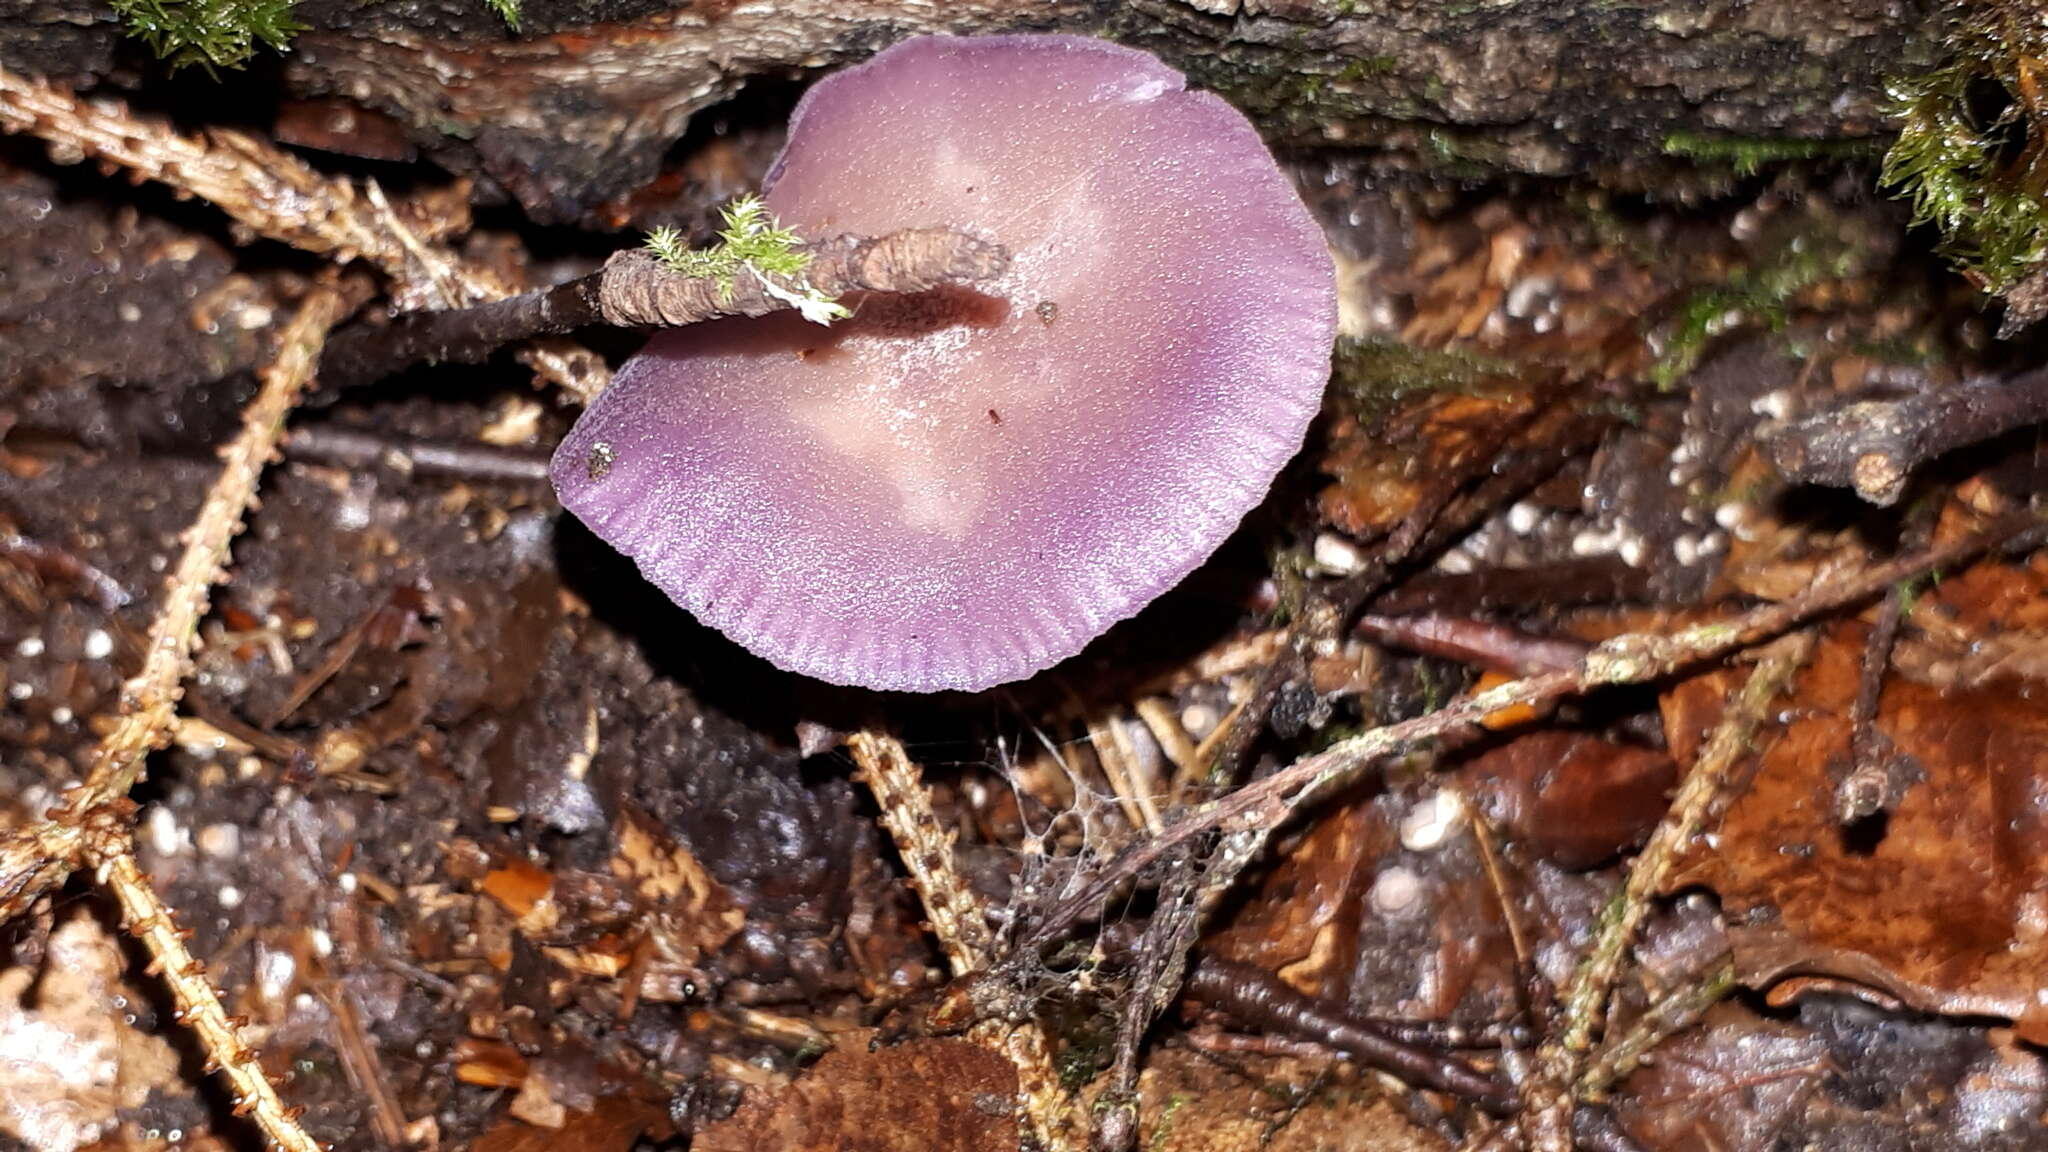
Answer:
[(1571, 797), (1940, 906)]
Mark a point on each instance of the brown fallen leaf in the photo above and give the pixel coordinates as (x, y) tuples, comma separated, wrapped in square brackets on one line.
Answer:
[(69, 1062), (1571, 798), (1942, 909)]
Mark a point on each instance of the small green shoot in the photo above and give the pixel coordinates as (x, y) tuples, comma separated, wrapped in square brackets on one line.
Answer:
[(752, 241), (507, 10), (213, 34)]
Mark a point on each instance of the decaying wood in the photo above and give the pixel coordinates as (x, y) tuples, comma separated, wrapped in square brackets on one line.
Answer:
[(582, 107)]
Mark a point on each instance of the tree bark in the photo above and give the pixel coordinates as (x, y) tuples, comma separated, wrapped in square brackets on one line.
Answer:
[(581, 106)]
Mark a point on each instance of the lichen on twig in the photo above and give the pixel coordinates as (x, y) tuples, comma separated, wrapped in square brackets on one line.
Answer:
[(1561, 1060)]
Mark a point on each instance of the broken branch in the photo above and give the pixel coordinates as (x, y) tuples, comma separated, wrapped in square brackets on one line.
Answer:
[(1873, 446), (1632, 658), (635, 289)]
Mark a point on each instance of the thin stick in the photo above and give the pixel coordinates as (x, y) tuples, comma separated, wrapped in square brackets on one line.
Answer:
[(1632, 658), (38, 858), (356, 448), (1868, 787), (959, 918), (1667, 1017), (635, 289), (1547, 1117), (1260, 998), (110, 852)]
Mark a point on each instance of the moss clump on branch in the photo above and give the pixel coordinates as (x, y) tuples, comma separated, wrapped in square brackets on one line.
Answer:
[(1972, 152), (216, 34), (1375, 374), (752, 241), (1762, 294)]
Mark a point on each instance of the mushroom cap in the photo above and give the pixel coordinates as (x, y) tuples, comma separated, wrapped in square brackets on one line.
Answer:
[(956, 489)]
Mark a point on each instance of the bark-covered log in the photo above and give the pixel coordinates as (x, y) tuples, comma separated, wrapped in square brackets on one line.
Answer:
[(581, 106)]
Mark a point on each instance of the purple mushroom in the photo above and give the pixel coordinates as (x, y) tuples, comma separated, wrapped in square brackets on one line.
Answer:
[(957, 489)]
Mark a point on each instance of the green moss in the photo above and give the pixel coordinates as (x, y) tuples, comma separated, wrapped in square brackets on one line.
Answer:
[(1748, 155), (1761, 294), (216, 34), (1977, 168), (213, 34), (1087, 1046), (1164, 1125), (507, 10), (754, 242), (1375, 375)]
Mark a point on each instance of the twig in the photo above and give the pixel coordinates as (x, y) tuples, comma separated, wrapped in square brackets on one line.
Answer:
[(355, 448), (959, 918), (1871, 785), (1631, 658), (38, 858), (1667, 1017), (109, 850), (1874, 445), (52, 562), (1877, 772), (636, 289), (1472, 641), (263, 188), (1547, 1112), (958, 915), (276, 195), (360, 1063), (1533, 1003), (1261, 998)]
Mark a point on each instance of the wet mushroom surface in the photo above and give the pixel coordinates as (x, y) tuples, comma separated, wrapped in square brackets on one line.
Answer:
[(957, 488)]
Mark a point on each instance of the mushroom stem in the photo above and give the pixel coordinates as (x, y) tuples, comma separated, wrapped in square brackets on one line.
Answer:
[(636, 289)]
